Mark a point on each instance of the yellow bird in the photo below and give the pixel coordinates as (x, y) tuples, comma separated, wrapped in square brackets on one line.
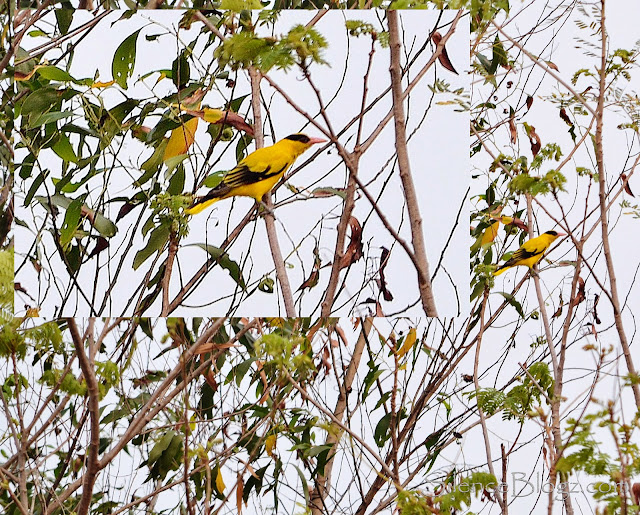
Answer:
[(257, 173), (530, 252)]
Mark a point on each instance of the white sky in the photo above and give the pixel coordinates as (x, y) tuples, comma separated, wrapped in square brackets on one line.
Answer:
[(439, 159)]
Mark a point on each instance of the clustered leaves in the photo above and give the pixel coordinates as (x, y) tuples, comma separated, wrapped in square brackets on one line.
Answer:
[(301, 45)]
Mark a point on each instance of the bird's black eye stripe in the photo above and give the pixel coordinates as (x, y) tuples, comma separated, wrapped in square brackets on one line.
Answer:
[(302, 138), (552, 233)]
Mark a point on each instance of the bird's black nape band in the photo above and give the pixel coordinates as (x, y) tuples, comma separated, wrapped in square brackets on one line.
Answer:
[(302, 138)]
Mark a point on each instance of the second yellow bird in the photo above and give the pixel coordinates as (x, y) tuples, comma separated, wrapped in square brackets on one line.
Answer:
[(530, 252), (257, 173)]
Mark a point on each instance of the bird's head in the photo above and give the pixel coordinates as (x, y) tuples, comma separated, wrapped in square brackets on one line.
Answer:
[(300, 142), (555, 234)]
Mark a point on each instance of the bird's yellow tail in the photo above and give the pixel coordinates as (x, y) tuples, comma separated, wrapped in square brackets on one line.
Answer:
[(200, 205), (500, 270)]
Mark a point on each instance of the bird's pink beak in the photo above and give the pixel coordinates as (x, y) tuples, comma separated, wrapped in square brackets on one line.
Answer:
[(561, 234), (313, 141)]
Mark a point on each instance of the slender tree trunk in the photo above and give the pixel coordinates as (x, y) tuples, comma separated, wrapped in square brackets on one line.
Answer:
[(604, 221), (269, 218), (411, 198)]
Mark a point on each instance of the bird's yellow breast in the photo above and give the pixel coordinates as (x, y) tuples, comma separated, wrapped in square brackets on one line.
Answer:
[(256, 190)]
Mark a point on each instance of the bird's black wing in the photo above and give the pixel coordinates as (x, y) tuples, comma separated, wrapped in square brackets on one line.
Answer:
[(242, 175), (522, 254)]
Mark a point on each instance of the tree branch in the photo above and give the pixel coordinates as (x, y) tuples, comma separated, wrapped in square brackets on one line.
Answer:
[(269, 217), (411, 198), (88, 371)]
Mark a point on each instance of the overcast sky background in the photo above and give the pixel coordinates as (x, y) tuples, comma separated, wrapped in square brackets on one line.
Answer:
[(439, 160)]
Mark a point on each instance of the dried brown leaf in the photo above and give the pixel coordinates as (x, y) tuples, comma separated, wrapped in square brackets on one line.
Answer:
[(552, 65), (580, 296), (210, 378), (354, 249), (519, 224), (625, 184), (90, 214), (512, 129), (565, 117), (239, 493), (101, 244), (444, 56), (595, 309), (19, 287), (326, 362), (228, 118), (635, 489), (342, 334), (384, 259), (534, 139), (312, 280), (126, 208), (529, 102)]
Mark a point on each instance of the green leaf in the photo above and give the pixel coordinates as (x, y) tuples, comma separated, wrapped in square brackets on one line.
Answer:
[(235, 104), (176, 183), (163, 126), (111, 122), (266, 284), (305, 485), (160, 447), (484, 62), (153, 164), (55, 73), (26, 167), (174, 161), (240, 5), (214, 179), (64, 18), (180, 70), (34, 187), (64, 150), (40, 102), (46, 118), (222, 258), (102, 224), (70, 224), (159, 236), (381, 434), (512, 300), (499, 56), (124, 60)]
